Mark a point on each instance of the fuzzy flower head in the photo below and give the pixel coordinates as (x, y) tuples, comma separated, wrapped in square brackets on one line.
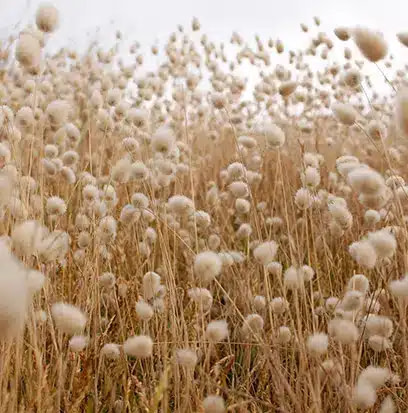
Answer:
[(68, 318), (47, 18), (207, 266)]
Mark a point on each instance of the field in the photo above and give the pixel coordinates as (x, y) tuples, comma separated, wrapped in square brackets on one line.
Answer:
[(187, 240)]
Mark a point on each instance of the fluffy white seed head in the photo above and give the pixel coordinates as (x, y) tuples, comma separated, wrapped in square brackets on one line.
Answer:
[(359, 282), (363, 253), (388, 405), (401, 111), (371, 43), (111, 351), (207, 266), (144, 310), (343, 331), (384, 243), (14, 295), (187, 358), (284, 335), (138, 346), (317, 344), (214, 404), (265, 253), (68, 318), (217, 331), (274, 136), (345, 113), (78, 343), (399, 288), (47, 17), (202, 297)]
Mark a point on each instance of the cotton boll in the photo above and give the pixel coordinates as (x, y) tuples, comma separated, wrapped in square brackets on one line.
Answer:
[(266, 252), (217, 331), (68, 318), (317, 344), (214, 404), (78, 343), (138, 346)]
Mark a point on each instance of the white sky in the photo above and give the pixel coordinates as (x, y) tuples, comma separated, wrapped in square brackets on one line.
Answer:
[(151, 21)]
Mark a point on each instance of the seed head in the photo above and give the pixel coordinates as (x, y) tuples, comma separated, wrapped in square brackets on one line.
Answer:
[(138, 346)]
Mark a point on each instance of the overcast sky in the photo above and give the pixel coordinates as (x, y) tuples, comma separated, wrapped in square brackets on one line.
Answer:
[(151, 21)]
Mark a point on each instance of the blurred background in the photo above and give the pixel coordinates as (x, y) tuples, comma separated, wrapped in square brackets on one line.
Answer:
[(152, 21)]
